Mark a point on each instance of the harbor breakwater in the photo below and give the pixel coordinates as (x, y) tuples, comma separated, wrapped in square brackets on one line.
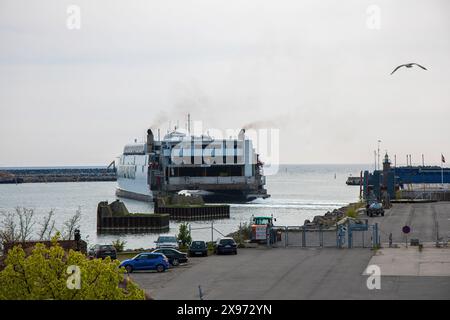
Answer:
[(330, 218), (39, 175)]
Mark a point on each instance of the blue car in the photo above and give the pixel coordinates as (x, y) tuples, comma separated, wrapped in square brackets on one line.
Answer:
[(146, 261)]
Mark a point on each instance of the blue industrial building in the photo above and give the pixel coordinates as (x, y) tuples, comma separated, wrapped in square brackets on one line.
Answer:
[(391, 179)]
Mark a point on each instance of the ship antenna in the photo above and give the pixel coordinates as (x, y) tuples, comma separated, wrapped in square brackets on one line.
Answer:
[(189, 124)]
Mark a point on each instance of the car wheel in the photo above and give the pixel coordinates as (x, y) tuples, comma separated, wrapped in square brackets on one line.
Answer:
[(175, 262), (235, 252), (129, 269), (160, 268)]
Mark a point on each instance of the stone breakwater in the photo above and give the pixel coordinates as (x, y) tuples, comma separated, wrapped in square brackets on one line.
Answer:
[(31, 175), (330, 218)]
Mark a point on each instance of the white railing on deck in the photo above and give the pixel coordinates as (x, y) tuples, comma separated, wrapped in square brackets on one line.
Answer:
[(211, 180)]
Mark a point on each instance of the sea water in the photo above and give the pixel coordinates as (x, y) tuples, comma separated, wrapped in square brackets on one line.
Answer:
[(298, 192)]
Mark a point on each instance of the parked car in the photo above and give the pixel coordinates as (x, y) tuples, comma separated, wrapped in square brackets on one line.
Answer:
[(225, 245), (102, 251), (167, 242), (175, 257), (146, 261), (198, 248), (374, 208)]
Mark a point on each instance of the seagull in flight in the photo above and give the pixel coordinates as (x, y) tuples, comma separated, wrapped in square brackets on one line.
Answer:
[(408, 65)]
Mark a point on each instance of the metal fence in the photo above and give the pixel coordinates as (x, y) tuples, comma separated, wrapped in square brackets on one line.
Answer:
[(342, 236)]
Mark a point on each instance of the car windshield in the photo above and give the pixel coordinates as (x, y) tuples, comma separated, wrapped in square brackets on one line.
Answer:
[(167, 239), (198, 244), (227, 241), (262, 220), (106, 247)]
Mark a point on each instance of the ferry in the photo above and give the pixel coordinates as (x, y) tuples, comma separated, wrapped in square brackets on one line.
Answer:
[(220, 170)]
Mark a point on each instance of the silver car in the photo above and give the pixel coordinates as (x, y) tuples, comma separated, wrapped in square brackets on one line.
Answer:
[(167, 242)]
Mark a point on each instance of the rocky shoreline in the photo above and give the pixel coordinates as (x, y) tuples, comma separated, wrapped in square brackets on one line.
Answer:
[(330, 218)]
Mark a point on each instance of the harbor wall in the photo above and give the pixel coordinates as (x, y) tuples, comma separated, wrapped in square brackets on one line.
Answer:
[(205, 212), (138, 223), (114, 217), (39, 175)]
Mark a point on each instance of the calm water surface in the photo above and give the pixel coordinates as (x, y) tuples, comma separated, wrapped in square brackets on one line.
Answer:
[(298, 192)]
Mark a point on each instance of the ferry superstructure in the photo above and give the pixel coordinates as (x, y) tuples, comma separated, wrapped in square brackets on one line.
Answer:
[(221, 170)]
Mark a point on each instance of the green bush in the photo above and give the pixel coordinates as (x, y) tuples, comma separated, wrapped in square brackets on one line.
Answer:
[(242, 234), (44, 275), (351, 212), (184, 235), (210, 247), (119, 245)]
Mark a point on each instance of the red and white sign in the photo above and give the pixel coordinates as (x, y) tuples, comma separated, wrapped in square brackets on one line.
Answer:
[(260, 232)]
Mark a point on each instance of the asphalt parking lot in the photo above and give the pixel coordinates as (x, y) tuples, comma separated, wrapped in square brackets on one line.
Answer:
[(427, 221), (292, 273), (321, 273)]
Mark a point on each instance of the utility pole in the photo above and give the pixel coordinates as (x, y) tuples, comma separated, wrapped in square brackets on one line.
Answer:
[(423, 160), (379, 154), (375, 158)]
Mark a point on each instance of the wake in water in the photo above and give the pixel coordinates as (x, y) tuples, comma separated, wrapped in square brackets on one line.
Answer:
[(292, 204)]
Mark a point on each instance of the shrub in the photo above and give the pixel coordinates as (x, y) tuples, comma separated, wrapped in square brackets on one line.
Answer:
[(210, 247), (119, 245), (242, 234), (45, 274), (351, 212), (184, 235)]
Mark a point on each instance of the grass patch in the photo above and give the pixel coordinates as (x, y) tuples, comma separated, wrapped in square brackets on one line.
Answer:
[(127, 255), (352, 209)]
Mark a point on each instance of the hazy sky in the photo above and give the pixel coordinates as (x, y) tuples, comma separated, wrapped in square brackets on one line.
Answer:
[(314, 69)]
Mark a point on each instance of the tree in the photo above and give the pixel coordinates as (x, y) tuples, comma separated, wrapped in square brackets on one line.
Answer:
[(47, 226), (72, 224), (44, 275), (26, 223), (119, 245), (8, 228), (184, 235), (19, 224)]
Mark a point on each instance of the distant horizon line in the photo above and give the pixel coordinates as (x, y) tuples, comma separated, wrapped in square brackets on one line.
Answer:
[(101, 165), (281, 164)]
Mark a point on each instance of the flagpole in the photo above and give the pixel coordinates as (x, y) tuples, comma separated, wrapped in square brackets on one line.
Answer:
[(442, 170)]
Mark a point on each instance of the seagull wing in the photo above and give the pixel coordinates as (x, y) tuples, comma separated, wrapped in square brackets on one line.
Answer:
[(397, 68), (419, 66)]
